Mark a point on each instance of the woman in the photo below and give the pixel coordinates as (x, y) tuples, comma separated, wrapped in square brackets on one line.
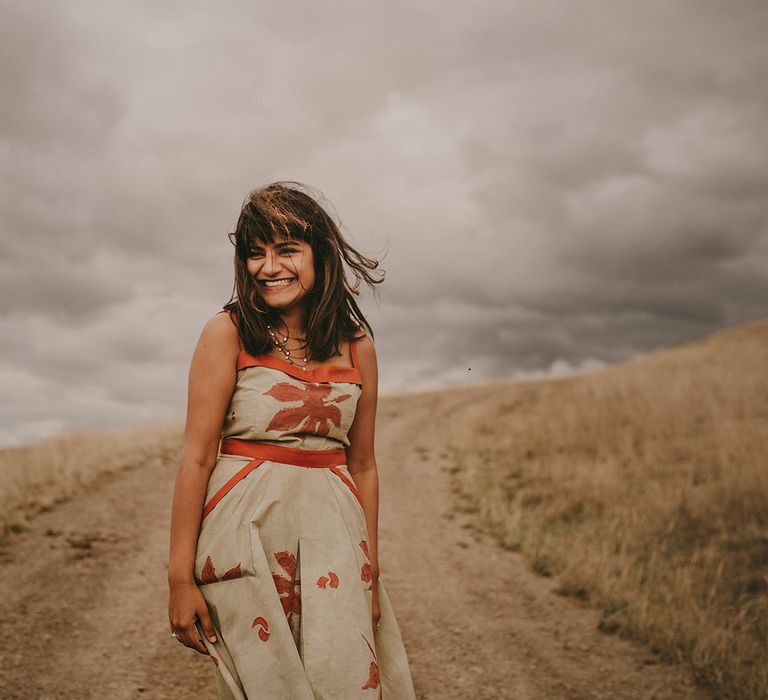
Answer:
[(273, 567)]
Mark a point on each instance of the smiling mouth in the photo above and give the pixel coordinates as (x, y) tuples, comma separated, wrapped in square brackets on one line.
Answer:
[(276, 284)]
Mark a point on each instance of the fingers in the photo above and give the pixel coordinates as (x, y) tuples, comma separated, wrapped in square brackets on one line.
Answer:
[(187, 635), (206, 624), (190, 619)]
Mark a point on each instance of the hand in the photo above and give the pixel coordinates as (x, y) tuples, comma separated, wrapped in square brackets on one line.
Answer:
[(375, 610), (186, 605)]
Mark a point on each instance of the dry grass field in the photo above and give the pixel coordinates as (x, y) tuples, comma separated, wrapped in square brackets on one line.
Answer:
[(644, 489), (35, 478)]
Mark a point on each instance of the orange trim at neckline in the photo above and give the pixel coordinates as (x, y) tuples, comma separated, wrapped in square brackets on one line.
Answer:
[(328, 373)]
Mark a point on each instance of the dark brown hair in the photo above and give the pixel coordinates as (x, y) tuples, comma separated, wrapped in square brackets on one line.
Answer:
[(284, 210)]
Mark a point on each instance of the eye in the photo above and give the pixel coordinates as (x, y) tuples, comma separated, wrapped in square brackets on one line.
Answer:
[(288, 250)]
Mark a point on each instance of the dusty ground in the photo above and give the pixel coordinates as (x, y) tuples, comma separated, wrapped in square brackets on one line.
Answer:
[(84, 597)]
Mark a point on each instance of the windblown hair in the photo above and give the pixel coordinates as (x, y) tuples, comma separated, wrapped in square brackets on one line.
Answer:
[(280, 211)]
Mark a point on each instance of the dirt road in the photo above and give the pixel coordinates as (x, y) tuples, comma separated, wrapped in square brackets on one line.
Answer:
[(84, 595)]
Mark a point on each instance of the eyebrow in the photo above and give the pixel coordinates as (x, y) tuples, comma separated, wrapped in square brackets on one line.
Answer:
[(284, 244)]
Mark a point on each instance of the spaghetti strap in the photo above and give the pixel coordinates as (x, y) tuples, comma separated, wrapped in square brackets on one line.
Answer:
[(353, 352)]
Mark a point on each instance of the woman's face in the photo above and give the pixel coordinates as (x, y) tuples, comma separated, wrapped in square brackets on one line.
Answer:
[(284, 272)]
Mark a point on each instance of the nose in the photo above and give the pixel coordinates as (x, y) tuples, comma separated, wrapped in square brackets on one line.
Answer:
[(270, 264)]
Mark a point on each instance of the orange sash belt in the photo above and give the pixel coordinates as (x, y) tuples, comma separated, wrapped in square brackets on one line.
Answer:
[(260, 452), (285, 455)]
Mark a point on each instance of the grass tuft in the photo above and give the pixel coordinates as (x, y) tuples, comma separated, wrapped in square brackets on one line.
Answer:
[(36, 478)]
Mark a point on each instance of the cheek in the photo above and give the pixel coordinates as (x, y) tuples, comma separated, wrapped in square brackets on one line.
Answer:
[(310, 274), (309, 278)]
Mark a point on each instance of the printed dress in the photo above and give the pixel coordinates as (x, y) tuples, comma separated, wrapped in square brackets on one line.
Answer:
[(282, 554)]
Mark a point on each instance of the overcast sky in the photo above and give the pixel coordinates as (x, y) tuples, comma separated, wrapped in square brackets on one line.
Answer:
[(550, 185)]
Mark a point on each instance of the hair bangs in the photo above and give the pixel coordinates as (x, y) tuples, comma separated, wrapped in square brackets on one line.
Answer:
[(265, 220)]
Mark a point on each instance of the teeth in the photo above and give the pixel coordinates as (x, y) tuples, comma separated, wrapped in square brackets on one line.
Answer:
[(278, 283)]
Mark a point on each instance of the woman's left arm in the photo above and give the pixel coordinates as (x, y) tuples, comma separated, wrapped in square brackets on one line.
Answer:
[(361, 460)]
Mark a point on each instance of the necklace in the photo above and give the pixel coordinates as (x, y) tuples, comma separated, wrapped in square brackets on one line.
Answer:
[(286, 352), (286, 335)]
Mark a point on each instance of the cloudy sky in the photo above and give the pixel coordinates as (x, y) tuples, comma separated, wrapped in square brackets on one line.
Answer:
[(549, 185)]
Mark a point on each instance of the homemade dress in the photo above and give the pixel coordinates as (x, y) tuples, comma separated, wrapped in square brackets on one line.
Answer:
[(282, 555)]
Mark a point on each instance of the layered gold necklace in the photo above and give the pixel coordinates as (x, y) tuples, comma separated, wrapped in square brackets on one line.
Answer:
[(280, 344)]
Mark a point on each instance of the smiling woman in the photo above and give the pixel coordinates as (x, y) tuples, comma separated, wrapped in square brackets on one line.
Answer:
[(274, 569), (284, 235), (284, 272)]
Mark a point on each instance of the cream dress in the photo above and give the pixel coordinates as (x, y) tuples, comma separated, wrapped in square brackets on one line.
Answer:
[(282, 555)]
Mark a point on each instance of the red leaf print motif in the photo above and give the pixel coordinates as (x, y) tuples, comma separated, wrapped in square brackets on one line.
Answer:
[(263, 626), (208, 574), (234, 572), (314, 415), (287, 561), (332, 579), (289, 597), (374, 679), (365, 569)]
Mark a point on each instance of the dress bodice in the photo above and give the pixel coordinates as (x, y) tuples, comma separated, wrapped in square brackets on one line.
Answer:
[(280, 404)]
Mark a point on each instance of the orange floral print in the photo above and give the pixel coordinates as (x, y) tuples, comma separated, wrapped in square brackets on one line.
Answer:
[(331, 580), (208, 574), (314, 415), (286, 587), (263, 626), (234, 572), (365, 569), (374, 680)]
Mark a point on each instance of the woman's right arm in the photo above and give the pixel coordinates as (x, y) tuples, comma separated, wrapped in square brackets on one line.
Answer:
[(212, 376)]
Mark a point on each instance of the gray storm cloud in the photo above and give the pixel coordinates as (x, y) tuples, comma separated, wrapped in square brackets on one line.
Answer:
[(549, 185)]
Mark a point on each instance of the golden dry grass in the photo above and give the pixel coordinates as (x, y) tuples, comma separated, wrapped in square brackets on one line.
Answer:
[(36, 477), (644, 489)]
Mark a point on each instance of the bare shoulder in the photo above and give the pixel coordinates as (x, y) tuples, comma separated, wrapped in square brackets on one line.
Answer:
[(364, 343), (366, 355), (220, 334)]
